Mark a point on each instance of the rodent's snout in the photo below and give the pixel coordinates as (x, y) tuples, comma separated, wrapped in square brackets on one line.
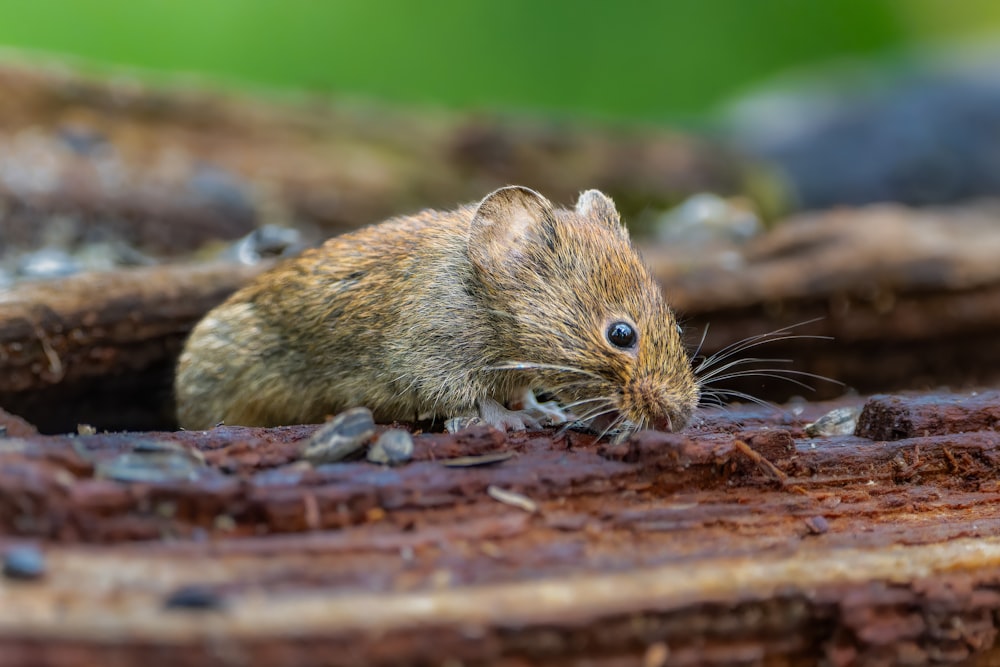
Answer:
[(649, 403), (672, 420), (663, 424)]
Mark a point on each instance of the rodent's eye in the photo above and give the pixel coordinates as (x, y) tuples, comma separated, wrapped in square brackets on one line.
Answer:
[(621, 334)]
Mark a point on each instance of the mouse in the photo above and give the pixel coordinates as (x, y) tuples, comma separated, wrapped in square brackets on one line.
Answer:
[(469, 313)]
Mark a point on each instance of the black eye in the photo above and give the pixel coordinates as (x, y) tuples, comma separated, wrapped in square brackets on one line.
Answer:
[(621, 335)]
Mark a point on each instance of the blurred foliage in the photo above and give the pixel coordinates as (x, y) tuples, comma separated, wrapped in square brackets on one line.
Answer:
[(668, 60)]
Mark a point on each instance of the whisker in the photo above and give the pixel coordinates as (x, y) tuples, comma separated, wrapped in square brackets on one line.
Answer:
[(777, 373), (716, 402), (595, 413), (750, 343), (591, 414), (588, 418), (713, 404), (586, 400), (745, 396), (736, 346), (740, 362), (744, 374), (704, 335), (566, 385), (612, 426), (628, 430), (531, 366)]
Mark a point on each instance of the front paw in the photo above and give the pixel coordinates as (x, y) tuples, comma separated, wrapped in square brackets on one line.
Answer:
[(549, 411), (497, 416)]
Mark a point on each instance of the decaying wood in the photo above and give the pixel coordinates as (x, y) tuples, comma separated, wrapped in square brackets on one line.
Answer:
[(73, 337), (911, 298), (868, 553), (741, 541), (893, 418), (170, 168)]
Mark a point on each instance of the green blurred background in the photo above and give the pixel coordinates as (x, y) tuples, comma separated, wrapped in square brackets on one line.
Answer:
[(672, 60)]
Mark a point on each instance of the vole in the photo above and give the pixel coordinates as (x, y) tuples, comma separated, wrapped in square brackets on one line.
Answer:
[(449, 314)]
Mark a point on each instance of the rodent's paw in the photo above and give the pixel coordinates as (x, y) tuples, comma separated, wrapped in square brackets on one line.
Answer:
[(501, 418), (456, 424), (550, 411)]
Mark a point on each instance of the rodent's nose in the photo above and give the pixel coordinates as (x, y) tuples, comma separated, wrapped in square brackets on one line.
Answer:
[(658, 404), (663, 424)]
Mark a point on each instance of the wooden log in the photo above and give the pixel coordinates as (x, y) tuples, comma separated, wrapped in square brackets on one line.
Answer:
[(903, 311), (664, 549), (895, 417), (69, 338), (169, 168), (910, 298)]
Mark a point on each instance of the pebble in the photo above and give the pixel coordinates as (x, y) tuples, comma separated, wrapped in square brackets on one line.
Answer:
[(200, 598), (706, 217), (149, 446), (221, 188), (475, 461), (47, 263), (82, 140), (263, 242), (392, 448), (153, 467), (841, 421), (341, 438), (817, 525), (24, 563), (456, 424)]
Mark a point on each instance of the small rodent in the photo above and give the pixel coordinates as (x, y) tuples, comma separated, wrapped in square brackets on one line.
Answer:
[(449, 314)]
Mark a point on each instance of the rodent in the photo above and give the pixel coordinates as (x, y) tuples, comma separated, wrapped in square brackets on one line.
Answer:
[(449, 314)]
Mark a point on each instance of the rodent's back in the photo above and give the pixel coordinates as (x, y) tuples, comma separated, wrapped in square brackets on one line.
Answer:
[(448, 314), (307, 338)]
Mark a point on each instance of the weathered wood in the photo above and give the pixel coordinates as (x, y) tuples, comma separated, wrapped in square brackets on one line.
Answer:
[(741, 541), (77, 334), (905, 309), (167, 169), (895, 417), (673, 549), (911, 298)]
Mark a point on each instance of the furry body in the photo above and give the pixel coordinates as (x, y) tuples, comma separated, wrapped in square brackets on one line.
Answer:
[(431, 314)]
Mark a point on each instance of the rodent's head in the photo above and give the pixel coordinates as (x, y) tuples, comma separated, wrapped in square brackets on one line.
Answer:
[(576, 311)]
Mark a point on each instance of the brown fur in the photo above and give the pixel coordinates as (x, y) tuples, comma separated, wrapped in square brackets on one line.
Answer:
[(411, 317)]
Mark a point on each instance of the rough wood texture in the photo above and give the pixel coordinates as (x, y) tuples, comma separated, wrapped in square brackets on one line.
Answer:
[(911, 300), (167, 169), (102, 337), (910, 297), (667, 549), (739, 542)]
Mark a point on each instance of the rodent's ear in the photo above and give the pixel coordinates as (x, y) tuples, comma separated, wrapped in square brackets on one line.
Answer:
[(596, 204), (506, 221)]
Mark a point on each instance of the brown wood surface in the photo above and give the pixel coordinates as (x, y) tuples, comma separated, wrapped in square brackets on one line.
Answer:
[(170, 168), (909, 297), (910, 300), (741, 541), (100, 347), (666, 549)]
